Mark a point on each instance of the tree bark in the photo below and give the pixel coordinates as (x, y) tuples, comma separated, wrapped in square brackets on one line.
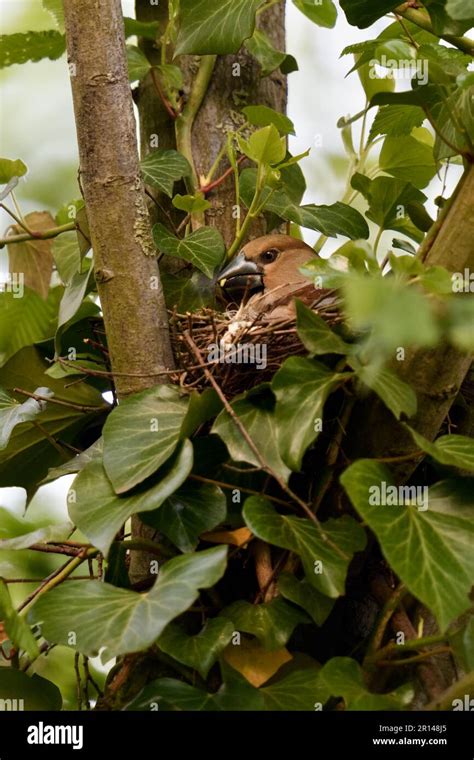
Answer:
[(125, 265)]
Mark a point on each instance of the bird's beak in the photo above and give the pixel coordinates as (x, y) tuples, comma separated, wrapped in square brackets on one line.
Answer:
[(240, 274)]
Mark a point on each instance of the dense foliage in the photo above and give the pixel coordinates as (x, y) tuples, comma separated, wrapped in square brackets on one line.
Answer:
[(234, 486)]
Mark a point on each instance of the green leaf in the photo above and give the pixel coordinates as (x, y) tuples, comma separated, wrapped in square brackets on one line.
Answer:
[(460, 9), (451, 450), (304, 595), (32, 692), (99, 512), (433, 527), (147, 29), (325, 552), (343, 677), (258, 418), (337, 219), (388, 202), (138, 64), (203, 248), (27, 319), (265, 146), (192, 204), (363, 13), (77, 463), (271, 622), (301, 387), (124, 621), (393, 313), (263, 116), (408, 159), (67, 256), (73, 296), (269, 58), (21, 533), (235, 694), (200, 651), (372, 82), (171, 75), (25, 461), (191, 510), (293, 688), (316, 336), (461, 323), (463, 644), (214, 26), (141, 434), (15, 626), (162, 168), (9, 169), (322, 12), (31, 46), (396, 121), (397, 396), (55, 7), (12, 413)]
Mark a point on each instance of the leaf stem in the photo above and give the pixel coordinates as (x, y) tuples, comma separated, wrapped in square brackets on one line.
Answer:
[(44, 235), (421, 18)]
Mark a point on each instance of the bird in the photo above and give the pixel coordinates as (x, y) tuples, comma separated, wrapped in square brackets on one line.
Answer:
[(265, 277)]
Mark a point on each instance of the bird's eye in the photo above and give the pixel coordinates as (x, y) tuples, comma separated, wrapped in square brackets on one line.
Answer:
[(268, 256)]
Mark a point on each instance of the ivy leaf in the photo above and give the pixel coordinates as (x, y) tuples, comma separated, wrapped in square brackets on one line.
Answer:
[(269, 58), (337, 219), (363, 13), (124, 621), (463, 644), (55, 7), (263, 116), (434, 527), (21, 533), (271, 622), (397, 396), (304, 595), (162, 168), (264, 146), (74, 293), (19, 632), (388, 201), (12, 413), (99, 512), (31, 46), (343, 677), (316, 336), (192, 204), (324, 566), (203, 248), (214, 26), (301, 387), (141, 434), (191, 510), (10, 169), (408, 159), (322, 12), (235, 694), (35, 692), (451, 450), (294, 688), (77, 463), (138, 64), (201, 650), (255, 411), (67, 256)]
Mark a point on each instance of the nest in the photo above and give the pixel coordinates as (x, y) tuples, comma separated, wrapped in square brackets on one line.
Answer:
[(239, 353)]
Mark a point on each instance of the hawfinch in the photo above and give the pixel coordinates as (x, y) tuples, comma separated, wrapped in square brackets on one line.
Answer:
[(266, 272)]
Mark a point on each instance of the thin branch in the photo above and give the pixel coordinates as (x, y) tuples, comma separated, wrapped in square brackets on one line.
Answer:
[(79, 407), (44, 235)]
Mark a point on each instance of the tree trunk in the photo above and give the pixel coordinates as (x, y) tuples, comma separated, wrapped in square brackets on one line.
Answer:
[(124, 256)]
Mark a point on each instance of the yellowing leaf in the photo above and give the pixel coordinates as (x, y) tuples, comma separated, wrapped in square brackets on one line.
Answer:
[(254, 662)]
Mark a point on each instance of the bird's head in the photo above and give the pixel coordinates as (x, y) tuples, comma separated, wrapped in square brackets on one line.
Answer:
[(265, 264)]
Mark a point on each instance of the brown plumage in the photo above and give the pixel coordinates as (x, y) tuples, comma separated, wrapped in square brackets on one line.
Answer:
[(267, 270)]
